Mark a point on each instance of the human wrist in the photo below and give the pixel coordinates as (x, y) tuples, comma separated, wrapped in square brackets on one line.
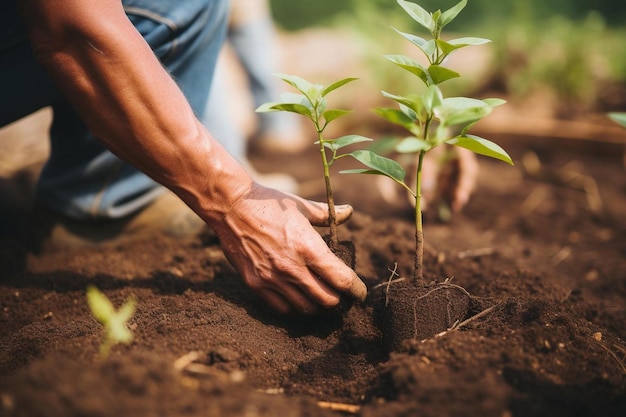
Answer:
[(211, 181)]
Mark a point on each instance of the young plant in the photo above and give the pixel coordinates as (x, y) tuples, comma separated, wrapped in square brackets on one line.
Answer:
[(114, 321), (311, 102), (430, 117)]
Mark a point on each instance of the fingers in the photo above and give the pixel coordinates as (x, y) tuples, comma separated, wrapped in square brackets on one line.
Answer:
[(311, 287), (317, 212), (338, 275), (468, 172), (430, 172)]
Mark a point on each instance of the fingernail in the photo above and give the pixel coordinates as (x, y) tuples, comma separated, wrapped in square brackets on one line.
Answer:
[(343, 210)]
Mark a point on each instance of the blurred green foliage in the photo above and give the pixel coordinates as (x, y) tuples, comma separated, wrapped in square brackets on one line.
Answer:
[(294, 14), (573, 49)]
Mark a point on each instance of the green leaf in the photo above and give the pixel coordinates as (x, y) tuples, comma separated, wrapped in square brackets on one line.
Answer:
[(452, 45), (290, 107), (432, 99), (397, 117), (414, 102), (378, 165), (330, 115), (440, 74), (412, 145), (336, 85), (384, 145), (481, 146), (299, 83), (428, 47), (494, 102), (114, 322), (618, 117), (100, 306), (449, 15), (410, 65), (418, 14), (461, 110), (343, 141), (295, 99), (117, 329)]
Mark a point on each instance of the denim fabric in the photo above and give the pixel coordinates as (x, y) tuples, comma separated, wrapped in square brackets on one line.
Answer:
[(82, 179), (254, 43)]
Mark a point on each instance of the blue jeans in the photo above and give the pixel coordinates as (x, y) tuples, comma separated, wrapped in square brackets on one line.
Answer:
[(254, 44), (82, 179)]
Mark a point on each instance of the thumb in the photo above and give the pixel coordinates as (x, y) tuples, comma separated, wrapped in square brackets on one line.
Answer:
[(317, 212)]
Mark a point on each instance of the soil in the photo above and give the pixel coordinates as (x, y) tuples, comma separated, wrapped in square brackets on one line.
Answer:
[(542, 256)]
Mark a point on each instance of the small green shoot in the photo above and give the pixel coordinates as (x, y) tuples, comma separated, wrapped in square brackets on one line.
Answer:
[(311, 102), (115, 322), (429, 117)]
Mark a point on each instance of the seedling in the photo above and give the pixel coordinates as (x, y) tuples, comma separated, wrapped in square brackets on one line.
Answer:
[(429, 117), (114, 321), (312, 103)]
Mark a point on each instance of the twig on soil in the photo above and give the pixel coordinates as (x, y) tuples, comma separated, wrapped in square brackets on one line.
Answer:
[(562, 255), (475, 253), (475, 317), (344, 408), (388, 283), (186, 363), (188, 358), (534, 199)]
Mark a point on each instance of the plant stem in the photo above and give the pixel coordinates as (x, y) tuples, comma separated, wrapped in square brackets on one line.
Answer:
[(332, 216), (418, 271)]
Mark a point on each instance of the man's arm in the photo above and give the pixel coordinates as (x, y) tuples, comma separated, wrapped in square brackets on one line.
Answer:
[(108, 72)]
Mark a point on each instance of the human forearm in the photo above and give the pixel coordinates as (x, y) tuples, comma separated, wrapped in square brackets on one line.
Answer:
[(128, 100)]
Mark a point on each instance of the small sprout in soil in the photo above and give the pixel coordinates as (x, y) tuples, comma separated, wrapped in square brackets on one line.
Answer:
[(428, 116), (114, 321), (312, 103)]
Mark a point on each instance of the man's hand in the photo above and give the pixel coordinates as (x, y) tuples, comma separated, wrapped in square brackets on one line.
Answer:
[(267, 236), (448, 175)]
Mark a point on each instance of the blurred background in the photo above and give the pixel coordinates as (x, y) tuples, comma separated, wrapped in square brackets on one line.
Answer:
[(560, 64), (568, 56)]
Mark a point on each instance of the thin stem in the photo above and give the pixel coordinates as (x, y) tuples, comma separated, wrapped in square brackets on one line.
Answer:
[(332, 215), (418, 272)]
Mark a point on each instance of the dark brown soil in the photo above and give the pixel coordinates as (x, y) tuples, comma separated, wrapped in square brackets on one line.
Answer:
[(415, 310), (531, 248)]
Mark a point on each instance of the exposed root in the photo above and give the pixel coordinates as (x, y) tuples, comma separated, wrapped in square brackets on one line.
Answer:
[(614, 355), (442, 286), (389, 281)]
